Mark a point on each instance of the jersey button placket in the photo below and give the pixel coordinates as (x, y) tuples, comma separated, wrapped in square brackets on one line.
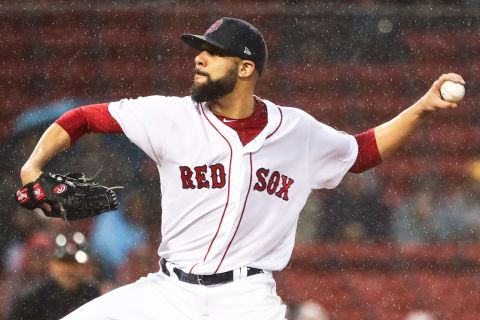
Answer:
[(237, 191), (223, 237), (237, 178), (242, 182)]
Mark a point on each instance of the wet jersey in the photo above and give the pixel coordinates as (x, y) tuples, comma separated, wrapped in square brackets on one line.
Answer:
[(227, 205)]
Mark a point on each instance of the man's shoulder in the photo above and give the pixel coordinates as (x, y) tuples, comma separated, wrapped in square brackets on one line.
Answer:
[(302, 119), (289, 111), (296, 113), (159, 100), (155, 104), (290, 114)]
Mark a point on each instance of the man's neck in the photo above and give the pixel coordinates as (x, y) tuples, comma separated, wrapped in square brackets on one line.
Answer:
[(234, 106)]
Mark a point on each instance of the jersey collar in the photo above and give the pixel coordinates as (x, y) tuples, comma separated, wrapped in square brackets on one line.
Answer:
[(273, 116)]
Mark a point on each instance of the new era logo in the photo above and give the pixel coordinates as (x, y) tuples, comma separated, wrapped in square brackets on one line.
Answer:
[(247, 51)]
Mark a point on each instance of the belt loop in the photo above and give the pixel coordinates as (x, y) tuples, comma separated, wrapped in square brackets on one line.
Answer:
[(243, 272), (236, 274)]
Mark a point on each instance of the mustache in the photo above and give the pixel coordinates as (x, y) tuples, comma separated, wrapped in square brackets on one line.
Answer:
[(201, 73)]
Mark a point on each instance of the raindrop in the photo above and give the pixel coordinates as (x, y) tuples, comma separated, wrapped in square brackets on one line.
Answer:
[(385, 26)]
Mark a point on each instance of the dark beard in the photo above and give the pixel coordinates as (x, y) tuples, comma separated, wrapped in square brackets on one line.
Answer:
[(214, 90)]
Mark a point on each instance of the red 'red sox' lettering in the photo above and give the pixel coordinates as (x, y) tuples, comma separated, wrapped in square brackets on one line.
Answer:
[(217, 177), (273, 183), (198, 179), (262, 174), (186, 176)]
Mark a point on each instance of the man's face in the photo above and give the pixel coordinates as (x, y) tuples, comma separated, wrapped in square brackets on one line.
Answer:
[(216, 74)]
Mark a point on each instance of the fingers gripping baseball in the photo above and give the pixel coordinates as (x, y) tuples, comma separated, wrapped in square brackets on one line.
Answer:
[(433, 100)]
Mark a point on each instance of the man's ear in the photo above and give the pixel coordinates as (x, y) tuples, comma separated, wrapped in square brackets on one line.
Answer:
[(246, 69)]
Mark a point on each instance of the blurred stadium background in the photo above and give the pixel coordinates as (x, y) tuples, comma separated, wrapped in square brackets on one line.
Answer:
[(399, 239)]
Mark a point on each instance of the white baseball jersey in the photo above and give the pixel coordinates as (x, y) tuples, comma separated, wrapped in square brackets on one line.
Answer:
[(226, 205)]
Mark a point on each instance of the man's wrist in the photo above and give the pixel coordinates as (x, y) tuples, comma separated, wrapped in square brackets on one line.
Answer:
[(419, 110), (29, 173)]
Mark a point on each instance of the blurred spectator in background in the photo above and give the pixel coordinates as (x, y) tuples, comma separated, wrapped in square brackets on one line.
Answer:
[(311, 310), (425, 217), (116, 233), (462, 208), (26, 265), (20, 236), (67, 286), (414, 219), (357, 210)]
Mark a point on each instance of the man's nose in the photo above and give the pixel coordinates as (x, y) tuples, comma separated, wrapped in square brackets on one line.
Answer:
[(201, 59)]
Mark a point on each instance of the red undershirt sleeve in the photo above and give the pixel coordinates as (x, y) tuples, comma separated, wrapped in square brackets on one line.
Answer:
[(368, 154), (88, 119)]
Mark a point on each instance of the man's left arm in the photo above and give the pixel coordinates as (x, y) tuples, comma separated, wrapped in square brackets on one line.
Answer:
[(379, 143), (392, 134)]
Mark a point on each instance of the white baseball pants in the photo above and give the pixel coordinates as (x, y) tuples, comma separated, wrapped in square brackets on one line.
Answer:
[(161, 297)]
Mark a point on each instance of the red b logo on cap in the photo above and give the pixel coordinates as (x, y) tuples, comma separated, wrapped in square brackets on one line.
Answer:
[(214, 26)]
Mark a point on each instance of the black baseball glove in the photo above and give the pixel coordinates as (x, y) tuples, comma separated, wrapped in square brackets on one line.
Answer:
[(71, 196)]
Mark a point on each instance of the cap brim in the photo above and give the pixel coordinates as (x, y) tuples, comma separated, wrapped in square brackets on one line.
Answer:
[(196, 41)]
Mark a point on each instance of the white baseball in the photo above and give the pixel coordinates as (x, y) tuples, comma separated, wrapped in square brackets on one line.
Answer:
[(452, 92)]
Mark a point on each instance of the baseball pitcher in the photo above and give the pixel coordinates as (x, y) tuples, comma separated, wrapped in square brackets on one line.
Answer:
[(236, 170)]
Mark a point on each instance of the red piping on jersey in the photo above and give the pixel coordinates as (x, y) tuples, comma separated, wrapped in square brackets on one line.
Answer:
[(279, 124), (241, 216), (228, 187), (192, 268)]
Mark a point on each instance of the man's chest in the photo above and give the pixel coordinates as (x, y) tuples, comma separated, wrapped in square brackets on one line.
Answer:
[(271, 171)]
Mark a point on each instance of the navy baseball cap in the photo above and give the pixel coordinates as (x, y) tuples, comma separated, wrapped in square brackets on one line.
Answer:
[(235, 36)]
